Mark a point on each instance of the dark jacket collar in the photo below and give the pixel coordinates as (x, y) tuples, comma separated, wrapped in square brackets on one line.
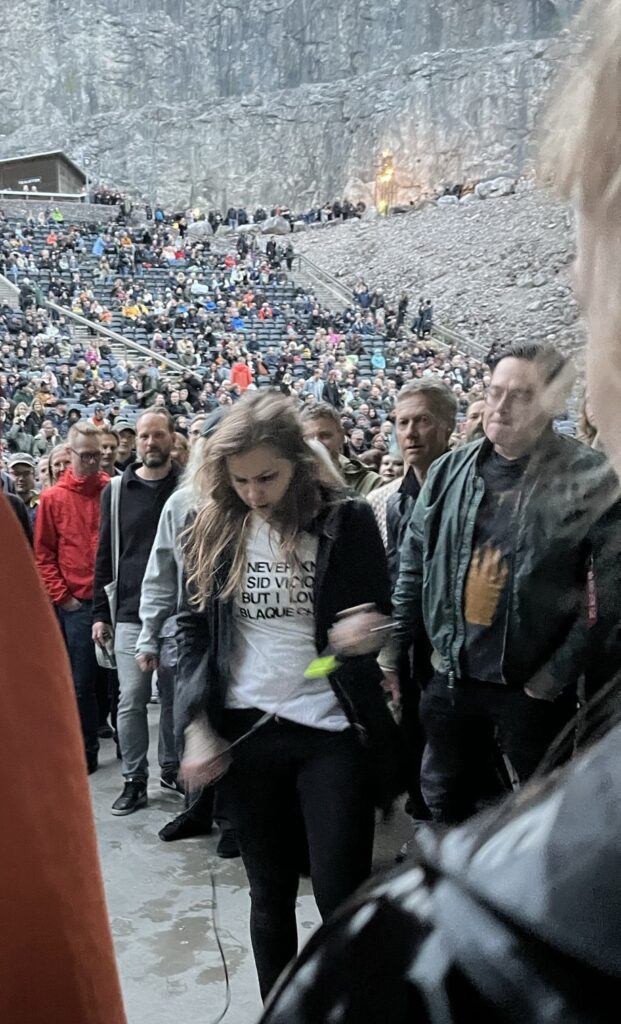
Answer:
[(410, 485), (327, 519)]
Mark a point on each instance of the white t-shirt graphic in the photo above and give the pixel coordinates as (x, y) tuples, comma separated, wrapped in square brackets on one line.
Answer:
[(274, 635)]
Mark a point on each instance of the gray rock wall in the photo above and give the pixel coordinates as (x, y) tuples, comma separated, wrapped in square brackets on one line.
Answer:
[(267, 101)]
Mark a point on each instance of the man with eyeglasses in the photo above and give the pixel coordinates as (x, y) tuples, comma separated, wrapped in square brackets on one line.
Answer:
[(508, 535), (66, 538)]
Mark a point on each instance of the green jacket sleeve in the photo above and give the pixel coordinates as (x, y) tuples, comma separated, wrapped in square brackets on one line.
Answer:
[(599, 640)]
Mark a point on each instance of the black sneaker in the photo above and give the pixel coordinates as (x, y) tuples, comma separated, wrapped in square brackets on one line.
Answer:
[(185, 826), (92, 763), (228, 846), (169, 780), (133, 797), (105, 732)]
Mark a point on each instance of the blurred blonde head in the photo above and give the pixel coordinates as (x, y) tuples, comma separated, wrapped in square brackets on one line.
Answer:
[(582, 155)]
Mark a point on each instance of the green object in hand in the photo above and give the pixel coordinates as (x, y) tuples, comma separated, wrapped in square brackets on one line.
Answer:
[(321, 667)]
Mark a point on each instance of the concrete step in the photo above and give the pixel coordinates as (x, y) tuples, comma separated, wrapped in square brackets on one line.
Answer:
[(8, 293)]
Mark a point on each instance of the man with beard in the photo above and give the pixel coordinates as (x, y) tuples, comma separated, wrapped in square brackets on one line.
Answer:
[(474, 420), (143, 492)]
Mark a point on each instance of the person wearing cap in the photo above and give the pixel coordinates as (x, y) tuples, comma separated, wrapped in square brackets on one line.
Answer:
[(22, 470), (98, 418), (16, 503), (127, 440)]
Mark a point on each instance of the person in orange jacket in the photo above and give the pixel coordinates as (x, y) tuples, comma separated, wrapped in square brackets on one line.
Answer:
[(241, 373)]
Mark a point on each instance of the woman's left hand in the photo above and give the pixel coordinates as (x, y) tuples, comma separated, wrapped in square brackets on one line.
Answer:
[(360, 630)]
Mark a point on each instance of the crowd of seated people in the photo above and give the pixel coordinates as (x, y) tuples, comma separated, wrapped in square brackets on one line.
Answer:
[(226, 320)]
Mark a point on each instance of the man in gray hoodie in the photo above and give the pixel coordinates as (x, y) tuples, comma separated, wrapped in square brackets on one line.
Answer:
[(161, 595)]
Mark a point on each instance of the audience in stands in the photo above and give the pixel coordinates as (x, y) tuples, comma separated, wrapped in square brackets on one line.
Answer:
[(211, 325)]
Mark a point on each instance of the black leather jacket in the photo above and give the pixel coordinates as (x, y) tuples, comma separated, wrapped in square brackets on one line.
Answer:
[(567, 524)]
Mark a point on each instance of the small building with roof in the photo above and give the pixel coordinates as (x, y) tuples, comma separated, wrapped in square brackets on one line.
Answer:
[(42, 172)]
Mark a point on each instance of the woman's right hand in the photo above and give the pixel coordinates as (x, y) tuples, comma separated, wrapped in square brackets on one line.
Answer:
[(206, 757)]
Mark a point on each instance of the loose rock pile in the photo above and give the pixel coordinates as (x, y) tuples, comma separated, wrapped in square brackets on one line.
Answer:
[(497, 270)]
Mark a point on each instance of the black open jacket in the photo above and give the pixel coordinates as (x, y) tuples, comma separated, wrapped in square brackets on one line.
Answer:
[(351, 569)]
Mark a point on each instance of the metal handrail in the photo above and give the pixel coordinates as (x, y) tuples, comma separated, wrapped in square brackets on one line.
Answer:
[(119, 338), (99, 328), (326, 279), (455, 340), (440, 332)]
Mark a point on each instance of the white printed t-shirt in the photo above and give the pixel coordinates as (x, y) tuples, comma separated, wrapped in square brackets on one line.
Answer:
[(274, 635)]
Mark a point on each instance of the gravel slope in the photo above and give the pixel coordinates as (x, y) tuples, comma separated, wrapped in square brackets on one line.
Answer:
[(496, 269)]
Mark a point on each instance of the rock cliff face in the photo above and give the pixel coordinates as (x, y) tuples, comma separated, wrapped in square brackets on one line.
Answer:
[(247, 101)]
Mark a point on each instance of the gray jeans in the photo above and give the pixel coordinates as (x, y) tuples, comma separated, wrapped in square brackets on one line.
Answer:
[(134, 694)]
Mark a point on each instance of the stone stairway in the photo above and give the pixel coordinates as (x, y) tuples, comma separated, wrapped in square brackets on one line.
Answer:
[(119, 349), (85, 336), (8, 293)]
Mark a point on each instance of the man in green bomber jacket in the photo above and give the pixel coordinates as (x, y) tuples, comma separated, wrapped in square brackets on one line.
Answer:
[(510, 557)]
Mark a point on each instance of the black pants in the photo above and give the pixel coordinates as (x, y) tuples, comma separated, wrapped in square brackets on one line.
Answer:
[(107, 695), (77, 627), (456, 723), (283, 776)]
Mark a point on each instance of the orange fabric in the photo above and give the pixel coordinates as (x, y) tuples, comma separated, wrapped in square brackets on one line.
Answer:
[(56, 957), (241, 374)]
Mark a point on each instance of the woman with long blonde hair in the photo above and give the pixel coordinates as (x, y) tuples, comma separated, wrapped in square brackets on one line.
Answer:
[(273, 557)]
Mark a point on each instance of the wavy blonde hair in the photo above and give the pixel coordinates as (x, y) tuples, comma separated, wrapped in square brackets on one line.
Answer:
[(219, 531), (582, 156), (581, 144)]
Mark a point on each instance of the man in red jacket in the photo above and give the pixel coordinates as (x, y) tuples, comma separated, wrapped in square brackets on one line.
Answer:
[(66, 538)]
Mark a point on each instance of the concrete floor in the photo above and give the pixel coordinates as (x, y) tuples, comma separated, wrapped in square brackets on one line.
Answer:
[(161, 907)]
